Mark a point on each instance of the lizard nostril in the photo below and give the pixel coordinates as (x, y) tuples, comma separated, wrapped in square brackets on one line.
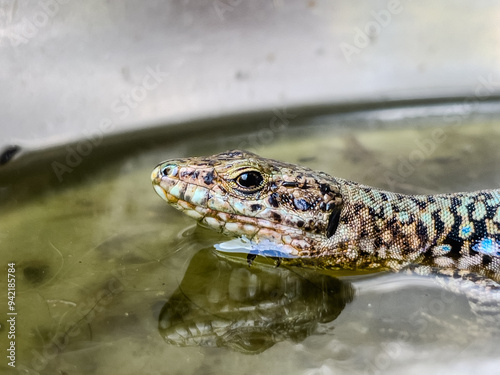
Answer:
[(169, 170)]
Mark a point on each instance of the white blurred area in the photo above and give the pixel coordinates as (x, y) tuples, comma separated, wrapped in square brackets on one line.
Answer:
[(70, 69)]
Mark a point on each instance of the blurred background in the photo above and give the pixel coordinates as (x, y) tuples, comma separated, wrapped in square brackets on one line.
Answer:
[(73, 69)]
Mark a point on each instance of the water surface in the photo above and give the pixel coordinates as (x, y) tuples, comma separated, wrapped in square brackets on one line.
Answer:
[(110, 280)]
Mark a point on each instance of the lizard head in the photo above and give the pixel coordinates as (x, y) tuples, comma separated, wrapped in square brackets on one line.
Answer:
[(242, 194)]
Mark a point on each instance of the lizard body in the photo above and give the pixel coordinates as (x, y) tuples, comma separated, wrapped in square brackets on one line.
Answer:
[(314, 216)]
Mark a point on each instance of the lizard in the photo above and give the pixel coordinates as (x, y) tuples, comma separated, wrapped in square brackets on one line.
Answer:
[(325, 221)]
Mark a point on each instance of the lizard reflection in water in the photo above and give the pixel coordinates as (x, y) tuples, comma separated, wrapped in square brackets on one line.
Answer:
[(224, 303), (318, 220)]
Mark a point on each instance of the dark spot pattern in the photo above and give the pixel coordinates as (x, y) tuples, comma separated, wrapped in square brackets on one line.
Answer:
[(333, 222), (255, 207), (273, 200), (209, 178), (276, 217), (324, 189)]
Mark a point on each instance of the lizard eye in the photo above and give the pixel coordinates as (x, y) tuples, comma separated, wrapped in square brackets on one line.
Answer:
[(250, 181)]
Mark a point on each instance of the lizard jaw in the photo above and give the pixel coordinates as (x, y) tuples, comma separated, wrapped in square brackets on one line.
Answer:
[(286, 240)]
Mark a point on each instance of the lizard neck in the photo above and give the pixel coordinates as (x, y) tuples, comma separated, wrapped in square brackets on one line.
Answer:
[(377, 227), (394, 230)]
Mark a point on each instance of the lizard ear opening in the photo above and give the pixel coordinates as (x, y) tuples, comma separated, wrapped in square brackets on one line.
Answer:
[(333, 221)]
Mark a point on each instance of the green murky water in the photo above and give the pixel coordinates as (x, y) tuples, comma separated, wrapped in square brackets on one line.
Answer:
[(109, 280)]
